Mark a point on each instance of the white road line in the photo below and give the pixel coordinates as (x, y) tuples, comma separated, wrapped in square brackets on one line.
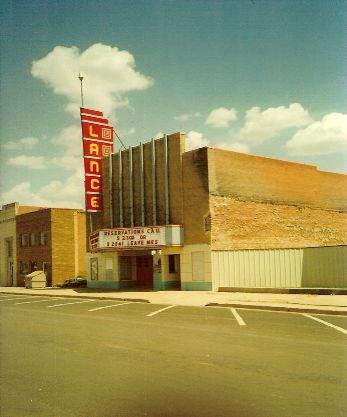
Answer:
[(238, 317), (340, 329), (37, 301), (17, 298), (112, 305), (159, 311), (66, 304)]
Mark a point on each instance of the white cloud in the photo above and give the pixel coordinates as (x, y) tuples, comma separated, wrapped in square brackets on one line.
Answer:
[(68, 194), (68, 162), (234, 146), (221, 117), (186, 116), (23, 143), (70, 137), (323, 137), (70, 141), (109, 74), (32, 162), (195, 140), (158, 135), (261, 126)]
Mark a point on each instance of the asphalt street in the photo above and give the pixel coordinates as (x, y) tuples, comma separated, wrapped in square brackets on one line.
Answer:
[(68, 357)]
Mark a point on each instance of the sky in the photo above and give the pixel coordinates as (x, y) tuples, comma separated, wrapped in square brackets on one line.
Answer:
[(263, 77)]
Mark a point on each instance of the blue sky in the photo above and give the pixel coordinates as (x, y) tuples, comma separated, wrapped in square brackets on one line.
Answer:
[(266, 77)]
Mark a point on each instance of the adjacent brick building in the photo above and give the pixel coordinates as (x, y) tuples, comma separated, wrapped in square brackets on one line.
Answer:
[(8, 250), (48, 239), (52, 240), (223, 219)]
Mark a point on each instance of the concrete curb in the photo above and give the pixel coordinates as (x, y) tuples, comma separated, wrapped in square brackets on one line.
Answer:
[(289, 309), (250, 305), (135, 300), (262, 290)]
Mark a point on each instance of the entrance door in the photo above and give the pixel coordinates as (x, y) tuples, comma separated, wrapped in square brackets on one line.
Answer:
[(10, 274), (144, 271)]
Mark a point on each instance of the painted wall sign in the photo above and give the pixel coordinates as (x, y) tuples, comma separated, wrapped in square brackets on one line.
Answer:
[(137, 237), (97, 142)]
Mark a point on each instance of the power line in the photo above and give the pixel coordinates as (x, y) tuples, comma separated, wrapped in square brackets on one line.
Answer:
[(120, 140)]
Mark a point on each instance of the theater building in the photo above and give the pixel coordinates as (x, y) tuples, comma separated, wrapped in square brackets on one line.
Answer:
[(209, 219)]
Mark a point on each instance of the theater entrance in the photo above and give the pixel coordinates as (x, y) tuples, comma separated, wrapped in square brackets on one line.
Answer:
[(144, 271)]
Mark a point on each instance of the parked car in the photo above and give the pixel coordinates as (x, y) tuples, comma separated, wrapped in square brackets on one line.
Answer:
[(74, 283)]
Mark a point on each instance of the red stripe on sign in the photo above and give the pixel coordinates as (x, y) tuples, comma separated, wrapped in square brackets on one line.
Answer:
[(94, 119), (91, 112)]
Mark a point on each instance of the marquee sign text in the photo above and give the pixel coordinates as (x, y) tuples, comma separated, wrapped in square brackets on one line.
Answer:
[(97, 142), (145, 237)]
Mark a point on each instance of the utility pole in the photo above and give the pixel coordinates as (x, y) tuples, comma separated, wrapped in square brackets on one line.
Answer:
[(80, 76)]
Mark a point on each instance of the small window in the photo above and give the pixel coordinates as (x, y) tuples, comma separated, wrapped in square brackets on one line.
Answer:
[(45, 267), (43, 238), (23, 268), (34, 239), (24, 239), (172, 264), (207, 223), (33, 266), (9, 247)]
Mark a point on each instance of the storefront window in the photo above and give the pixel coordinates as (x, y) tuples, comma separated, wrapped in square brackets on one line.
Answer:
[(125, 267), (109, 268), (94, 268)]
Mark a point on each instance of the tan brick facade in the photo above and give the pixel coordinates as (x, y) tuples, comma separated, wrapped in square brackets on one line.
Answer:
[(252, 225), (248, 177), (8, 249), (58, 244), (262, 203)]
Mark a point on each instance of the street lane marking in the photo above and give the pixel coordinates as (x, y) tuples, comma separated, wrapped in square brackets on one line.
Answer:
[(66, 304), (112, 305), (238, 317), (37, 301), (15, 299), (159, 311), (340, 329)]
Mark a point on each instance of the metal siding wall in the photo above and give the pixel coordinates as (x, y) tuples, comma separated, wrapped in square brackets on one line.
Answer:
[(281, 268)]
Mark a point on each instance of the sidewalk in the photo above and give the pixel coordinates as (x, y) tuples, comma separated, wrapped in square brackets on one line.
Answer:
[(309, 303)]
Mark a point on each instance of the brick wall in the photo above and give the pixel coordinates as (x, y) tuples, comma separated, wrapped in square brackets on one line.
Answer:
[(195, 196), (259, 203), (66, 252), (34, 222), (248, 177), (253, 225)]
